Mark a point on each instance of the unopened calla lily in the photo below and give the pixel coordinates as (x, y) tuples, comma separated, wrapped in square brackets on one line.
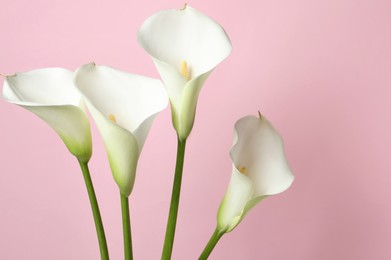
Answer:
[(123, 106), (259, 170), (185, 46), (51, 94)]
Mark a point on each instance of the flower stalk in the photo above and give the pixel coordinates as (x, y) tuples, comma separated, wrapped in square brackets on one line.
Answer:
[(176, 190), (104, 253), (128, 249), (211, 244)]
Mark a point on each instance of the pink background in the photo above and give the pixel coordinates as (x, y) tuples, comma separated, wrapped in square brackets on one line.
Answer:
[(319, 70)]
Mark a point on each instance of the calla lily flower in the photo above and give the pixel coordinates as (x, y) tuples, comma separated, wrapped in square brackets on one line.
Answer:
[(51, 94), (185, 46), (260, 169), (123, 106)]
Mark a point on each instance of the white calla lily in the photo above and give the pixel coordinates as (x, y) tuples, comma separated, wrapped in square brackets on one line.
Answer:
[(51, 94), (123, 106), (260, 169), (185, 46)]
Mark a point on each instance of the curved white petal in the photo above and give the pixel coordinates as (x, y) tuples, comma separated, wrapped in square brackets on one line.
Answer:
[(51, 94), (172, 37), (240, 191), (260, 149), (258, 157), (187, 107), (123, 106), (121, 147)]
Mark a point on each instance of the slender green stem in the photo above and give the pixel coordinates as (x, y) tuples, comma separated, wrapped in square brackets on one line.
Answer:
[(104, 253), (126, 228), (211, 244), (176, 190)]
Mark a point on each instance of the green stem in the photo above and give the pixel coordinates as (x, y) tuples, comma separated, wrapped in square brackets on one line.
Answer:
[(211, 244), (176, 190), (126, 228), (104, 253)]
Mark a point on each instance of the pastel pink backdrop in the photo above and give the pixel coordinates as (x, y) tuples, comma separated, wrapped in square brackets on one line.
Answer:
[(319, 70)]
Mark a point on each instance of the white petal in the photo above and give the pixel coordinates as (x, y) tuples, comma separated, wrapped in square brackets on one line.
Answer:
[(260, 149), (172, 36), (121, 147), (239, 192), (173, 81), (130, 98), (50, 86), (260, 169), (188, 106), (183, 96), (51, 94), (132, 101)]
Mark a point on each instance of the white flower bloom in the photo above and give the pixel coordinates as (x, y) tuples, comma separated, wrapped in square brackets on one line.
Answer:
[(185, 46), (51, 94), (260, 169), (123, 106)]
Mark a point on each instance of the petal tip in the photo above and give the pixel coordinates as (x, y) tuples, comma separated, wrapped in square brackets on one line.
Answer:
[(88, 66), (91, 64), (7, 76), (288, 184), (184, 7)]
